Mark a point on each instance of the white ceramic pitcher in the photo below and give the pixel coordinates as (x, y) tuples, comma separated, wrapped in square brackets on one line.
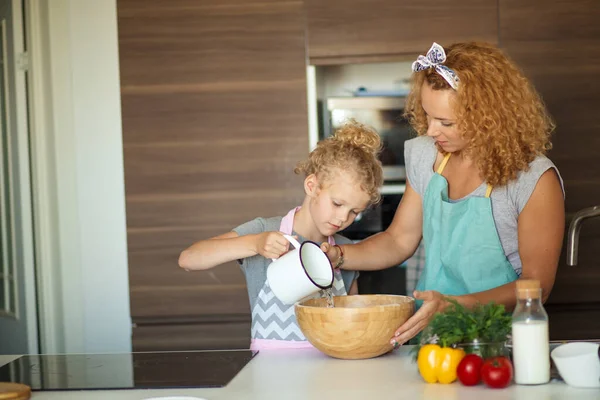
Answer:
[(299, 273)]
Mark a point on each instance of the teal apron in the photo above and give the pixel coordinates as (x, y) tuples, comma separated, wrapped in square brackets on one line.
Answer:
[(463, 253)]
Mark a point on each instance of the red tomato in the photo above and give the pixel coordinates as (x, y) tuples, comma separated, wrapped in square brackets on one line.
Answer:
[(497, 372), (469, 370)]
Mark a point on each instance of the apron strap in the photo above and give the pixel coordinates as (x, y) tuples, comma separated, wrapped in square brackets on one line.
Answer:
[(440, 169), (488, 191), (287, 222), (443, 164), (287, 225)]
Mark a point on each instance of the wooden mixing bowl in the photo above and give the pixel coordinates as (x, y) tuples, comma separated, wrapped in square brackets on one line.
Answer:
[(357, 327)]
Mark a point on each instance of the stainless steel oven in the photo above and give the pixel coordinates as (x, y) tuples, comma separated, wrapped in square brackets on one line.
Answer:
[(385, 114)]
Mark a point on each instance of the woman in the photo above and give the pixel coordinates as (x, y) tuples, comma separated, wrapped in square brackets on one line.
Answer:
[(480, 191)]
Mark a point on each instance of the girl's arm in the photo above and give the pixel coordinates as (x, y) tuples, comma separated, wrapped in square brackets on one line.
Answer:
[(390, 247), (230, 246), (541, 227)]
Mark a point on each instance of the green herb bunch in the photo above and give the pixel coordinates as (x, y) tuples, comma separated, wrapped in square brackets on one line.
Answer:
[(488, 323)]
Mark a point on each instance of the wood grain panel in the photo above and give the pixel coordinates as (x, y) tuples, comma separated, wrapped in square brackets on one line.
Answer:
[(557, 44), (146, 240), (581, 192), (217, 165), (579, 284), (225, 43), (176, 337), (342, 28), (234, 113), (141, 7), (574, 322), (188, 300), (557, 68), (161, 266), (214, 121), (226, 209), (541, 20)]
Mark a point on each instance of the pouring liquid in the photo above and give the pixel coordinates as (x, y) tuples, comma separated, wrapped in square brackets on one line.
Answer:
[(328, 294)]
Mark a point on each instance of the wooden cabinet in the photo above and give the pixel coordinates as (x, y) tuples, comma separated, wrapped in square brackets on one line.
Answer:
[(214, 121), (558, 46), (376, 29)]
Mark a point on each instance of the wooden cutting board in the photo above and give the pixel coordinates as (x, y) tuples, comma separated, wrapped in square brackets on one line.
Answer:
[(14, 391)]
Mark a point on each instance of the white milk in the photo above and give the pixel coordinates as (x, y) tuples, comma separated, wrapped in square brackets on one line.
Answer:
[(531, 352)]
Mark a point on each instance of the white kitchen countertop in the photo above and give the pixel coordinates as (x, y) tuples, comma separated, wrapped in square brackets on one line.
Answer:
[(309, 374)]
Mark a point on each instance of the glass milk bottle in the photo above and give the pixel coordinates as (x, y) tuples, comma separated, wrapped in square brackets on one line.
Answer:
[(530, 341)]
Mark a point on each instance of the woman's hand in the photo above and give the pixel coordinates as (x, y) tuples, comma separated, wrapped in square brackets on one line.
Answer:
[(332, 252), (433, 302), (271, 244)]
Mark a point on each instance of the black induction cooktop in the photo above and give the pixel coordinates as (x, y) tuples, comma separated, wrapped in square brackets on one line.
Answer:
[(148, 370)]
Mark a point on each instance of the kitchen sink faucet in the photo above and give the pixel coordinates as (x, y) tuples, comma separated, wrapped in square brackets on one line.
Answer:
[(574, 228)]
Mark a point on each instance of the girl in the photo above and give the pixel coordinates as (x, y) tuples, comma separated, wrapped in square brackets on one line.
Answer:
[(342, 178)]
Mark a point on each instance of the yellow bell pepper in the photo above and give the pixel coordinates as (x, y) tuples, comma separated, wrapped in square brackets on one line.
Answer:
[(438, 364)]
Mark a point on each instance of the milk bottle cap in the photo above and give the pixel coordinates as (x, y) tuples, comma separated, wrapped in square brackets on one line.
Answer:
[(528, 289)]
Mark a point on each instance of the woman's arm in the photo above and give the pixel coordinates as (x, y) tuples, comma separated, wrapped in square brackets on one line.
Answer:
[(390, 247), (540, 228), (230, 246)]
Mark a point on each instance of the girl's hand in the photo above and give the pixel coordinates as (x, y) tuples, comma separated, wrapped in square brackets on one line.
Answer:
[(271, 244), (332, 252), (433, 302)]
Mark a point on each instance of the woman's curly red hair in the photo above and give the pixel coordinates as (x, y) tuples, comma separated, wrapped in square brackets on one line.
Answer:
[(497, 110)]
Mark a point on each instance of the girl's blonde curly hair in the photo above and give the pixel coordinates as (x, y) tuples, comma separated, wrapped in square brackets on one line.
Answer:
[(353, 148), (497, 110)]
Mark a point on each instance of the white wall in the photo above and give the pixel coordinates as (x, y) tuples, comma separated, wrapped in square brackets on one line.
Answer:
[(87, 308)]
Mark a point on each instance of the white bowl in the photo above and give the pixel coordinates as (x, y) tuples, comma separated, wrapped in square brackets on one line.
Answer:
[(578, 364)]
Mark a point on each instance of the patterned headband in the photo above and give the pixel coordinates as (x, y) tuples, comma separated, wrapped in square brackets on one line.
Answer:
[(434, 59)]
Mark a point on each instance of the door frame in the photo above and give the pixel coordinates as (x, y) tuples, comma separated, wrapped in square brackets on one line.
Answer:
[(51, 64), (24, 231)]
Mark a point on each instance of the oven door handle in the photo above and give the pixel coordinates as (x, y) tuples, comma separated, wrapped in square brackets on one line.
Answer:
[(392, 189)]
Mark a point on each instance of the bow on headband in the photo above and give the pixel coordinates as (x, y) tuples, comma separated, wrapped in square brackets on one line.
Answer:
[(434, 59)]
